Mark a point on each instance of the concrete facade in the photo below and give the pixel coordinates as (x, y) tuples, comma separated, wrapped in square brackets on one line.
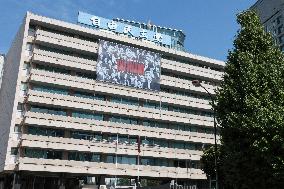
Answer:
[(58, 123), (271, 13)]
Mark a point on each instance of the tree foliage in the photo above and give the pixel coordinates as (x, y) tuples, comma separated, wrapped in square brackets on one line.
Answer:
[(208, 165), (250, 110), (208, 162)]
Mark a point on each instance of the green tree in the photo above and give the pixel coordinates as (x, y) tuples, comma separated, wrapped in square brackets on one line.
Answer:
[(208, 166), (250, 110), (208, 162)]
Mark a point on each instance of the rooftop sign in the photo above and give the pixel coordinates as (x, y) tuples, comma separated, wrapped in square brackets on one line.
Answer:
[(118, 27)]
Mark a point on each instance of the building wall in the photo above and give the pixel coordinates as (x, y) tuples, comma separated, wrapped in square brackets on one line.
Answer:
[(8, 91), (267, 8), (271, 13)]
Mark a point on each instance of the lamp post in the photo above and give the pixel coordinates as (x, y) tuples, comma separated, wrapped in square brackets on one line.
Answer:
[(197, 83)]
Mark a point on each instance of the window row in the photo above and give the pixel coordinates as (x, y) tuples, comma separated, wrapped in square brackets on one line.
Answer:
[(122, 100), (120, 159), (121, 119), (122, 139)]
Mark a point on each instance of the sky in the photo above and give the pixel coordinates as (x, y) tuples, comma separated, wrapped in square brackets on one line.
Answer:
[(210, 25)]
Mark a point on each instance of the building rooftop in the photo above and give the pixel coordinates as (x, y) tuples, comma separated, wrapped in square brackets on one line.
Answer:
[(80, 29)]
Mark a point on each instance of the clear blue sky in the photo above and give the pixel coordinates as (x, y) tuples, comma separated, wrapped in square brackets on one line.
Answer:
[(209, 25)]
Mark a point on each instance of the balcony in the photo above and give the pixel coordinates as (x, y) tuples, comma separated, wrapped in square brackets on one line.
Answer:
[(40, 76), (44, 98), (65, 42), (94, 168), (185, 84), (106, 147), (48, 57), (191, 70), (49, 120)]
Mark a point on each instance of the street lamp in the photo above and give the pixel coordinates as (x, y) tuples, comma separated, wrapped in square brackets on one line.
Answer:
[(197, 83)]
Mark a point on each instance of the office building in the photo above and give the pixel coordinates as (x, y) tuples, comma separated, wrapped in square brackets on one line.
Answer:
[(103, 103), (271, 13)]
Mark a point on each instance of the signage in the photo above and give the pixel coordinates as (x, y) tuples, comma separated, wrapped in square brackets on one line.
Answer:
[(129, 66), (122, 28)]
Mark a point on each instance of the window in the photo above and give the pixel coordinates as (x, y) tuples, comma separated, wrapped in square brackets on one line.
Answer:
[(82, 135), (126, 120), (98, 137), (132, 140), (86, 75), (189, 146), (26, 66), (50, 154), (177, 127), (162, 143), (50, 89), (112, 138), (165, 107), (81, 156), (24, 86), (52, 69), (155, 124), (123, 139), (187, 128), (124, 101), (89, 95), (14, 151), (55, 111), (179, 145), (151, 105), (121, 159), (17, 129), (86, 115), (145, 161), (115, 99), (29, 47), (45, 154), (31, 31), (45, 131), (110, 159)]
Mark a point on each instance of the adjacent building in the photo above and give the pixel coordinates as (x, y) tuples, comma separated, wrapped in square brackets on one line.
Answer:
[(106, 103), (271, 13)]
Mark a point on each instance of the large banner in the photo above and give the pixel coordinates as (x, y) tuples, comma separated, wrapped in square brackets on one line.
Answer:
[(129, 66)]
